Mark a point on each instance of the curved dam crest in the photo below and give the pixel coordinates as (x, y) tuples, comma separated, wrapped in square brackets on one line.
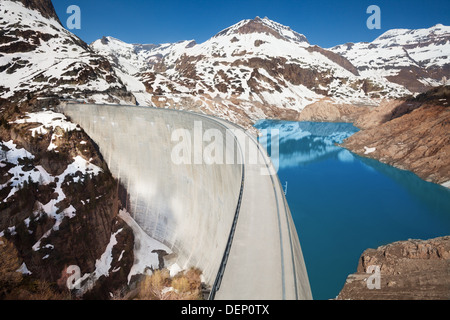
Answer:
[(191, 208)]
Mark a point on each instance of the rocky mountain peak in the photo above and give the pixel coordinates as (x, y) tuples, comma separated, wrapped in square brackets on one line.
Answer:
[(265, 26)]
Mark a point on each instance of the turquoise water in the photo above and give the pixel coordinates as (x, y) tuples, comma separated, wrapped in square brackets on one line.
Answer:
[(342, 203)]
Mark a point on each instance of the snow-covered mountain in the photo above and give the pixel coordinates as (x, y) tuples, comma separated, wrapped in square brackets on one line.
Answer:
[(416, 59), (38, 56), (254, 69)]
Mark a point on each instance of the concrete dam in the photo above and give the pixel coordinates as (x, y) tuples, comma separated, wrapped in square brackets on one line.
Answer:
[(228, 220)]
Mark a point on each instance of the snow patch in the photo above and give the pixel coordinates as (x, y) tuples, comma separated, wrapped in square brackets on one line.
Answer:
[(145, 259), (369, 150), (103, 264), (174, 269), (47, 119), (13, 154)]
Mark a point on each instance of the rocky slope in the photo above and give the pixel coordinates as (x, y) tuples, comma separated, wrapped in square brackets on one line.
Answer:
[(45, 7), (410, 134), (409, 270)]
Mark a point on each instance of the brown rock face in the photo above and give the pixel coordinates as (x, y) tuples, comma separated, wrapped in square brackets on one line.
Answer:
[(340, 60), (407, 77), (254, 26), (257, 25), (80, 240), (413, 135), (386, 111), (413, 270), (327, 111)]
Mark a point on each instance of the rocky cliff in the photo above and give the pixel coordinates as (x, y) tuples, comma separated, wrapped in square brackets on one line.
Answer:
[(409, 270), (326, 110), (412, 134), (59, 203)]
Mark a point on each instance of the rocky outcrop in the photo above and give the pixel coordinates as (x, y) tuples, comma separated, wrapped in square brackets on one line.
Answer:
[(326, 110), (412, 270), (340, 60), (64, 215), (409, 134)]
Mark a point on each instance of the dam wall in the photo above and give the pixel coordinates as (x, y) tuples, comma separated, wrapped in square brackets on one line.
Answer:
[(230, 220), (188, 207)]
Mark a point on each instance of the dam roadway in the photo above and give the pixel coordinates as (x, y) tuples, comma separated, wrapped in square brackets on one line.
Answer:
[(231, 221)]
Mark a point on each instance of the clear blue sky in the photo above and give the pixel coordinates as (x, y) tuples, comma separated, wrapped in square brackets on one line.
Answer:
[(325, 23)]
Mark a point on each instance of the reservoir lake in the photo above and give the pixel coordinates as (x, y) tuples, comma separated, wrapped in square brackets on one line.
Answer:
[(343, 204)]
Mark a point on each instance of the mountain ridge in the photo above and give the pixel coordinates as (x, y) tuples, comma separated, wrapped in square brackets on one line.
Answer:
[(260, 68), (415, 58)]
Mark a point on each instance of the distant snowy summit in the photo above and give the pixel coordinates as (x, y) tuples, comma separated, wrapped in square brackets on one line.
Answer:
[(265, 26), (416, 59)]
